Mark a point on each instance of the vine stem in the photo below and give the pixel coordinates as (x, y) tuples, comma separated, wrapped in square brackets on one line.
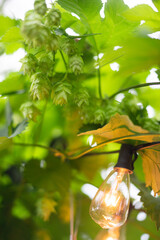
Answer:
[(99, 80), (87, 152), (71, 216), (41, 121), (98, 69), (145, 145), (134, 87), (102, 153), (55, 151), (64, 60), (82, 36)]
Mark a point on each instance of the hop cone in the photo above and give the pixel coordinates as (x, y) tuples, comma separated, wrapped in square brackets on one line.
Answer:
[(30, 111), (34, 30), (52, 43), (40, 87), (60, 93), (111, 109), (76, 64), (99, 117), (29, 64), (150, 124), (68, 46), (53, 17), (45, 63), (40, 7), (81, 97)]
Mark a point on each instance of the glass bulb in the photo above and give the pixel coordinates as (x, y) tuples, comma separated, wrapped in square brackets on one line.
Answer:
[(109, 208), (111, 234)]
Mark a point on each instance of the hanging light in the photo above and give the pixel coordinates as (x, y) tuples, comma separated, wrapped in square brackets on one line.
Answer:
[(109, 208)]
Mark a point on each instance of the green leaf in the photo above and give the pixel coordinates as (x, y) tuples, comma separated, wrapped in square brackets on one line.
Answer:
[(67, 20), (49, 178), (12, 40), (152, 205), (19, 210), (5, 143), (84, 8), (157, 4), (20, 128), (6, 23), (13, 82), (141, 53), (114, 29), (142, 12), (146, 13)]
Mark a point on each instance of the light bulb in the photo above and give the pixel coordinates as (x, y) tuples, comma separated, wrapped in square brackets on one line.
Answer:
[(111, 234), (110, 206)]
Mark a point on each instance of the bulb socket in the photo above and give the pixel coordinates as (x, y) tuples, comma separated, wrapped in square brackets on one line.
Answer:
[(125, 159)]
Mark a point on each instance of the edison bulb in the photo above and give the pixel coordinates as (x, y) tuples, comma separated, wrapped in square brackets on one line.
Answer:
[(109, 208), (111, 234)]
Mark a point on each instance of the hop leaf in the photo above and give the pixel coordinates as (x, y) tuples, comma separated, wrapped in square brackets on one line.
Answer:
[(76, 64), (53, 17), (68, 46), (46, 206), (151, 204), (45, 63), (40, 87), (30, 111), (81, 97), (29, 64), (34, 30), (40, 7), (60, 93)]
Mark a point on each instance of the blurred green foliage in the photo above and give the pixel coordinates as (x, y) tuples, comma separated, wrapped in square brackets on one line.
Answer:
[(77, 90)]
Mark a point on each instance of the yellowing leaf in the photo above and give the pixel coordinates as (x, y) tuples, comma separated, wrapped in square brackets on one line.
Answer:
[(151, 168), (43, 235), (64, 210), (120, 126), (120, 129), (45, 207)]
